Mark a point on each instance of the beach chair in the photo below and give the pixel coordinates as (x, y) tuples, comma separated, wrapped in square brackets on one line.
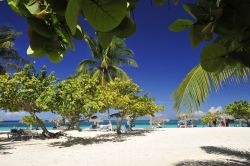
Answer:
[(105, 127), (16, 133)]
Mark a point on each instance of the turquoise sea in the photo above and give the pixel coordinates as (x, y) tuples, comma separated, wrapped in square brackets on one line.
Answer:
[(7, 125)]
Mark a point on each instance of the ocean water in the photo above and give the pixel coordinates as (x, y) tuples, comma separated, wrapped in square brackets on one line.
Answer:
[(7, 125)]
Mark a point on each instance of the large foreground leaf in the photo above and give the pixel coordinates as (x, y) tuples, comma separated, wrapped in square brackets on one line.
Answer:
[(72, 13), (180, 25), (104, 15), (213, 57)]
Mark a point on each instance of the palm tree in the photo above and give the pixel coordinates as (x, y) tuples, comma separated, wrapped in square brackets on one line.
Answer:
[(9, 58), (198, 83), (106, 62)]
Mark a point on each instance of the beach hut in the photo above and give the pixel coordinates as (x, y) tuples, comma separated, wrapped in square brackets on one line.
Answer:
[(225, 119), (59, 123), (159, 121), (186, 120), (241, 121)]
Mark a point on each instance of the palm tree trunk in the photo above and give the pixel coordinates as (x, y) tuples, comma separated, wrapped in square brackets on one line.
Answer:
[(151, 122), (77, 123), (119, 125), (110, 123)]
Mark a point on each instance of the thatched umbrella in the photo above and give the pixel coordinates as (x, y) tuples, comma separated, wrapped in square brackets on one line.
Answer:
[(95, 120), (159, 120), (57, 122), (226, 119), (115, 115)]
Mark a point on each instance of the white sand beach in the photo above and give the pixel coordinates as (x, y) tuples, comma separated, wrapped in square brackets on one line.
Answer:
[(161, 147)]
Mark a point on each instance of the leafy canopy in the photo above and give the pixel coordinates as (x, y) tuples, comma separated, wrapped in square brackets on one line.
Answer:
[(72, 97), (224, 24), (239, 109), (53, 24), (210, 117)]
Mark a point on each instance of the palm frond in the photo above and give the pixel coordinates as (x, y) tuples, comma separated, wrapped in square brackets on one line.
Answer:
[(198, 83), (105, 62), (127, 61), (97, 75), (94, 46), (87, 66), (123, 52), (119, 73), (9, 57)]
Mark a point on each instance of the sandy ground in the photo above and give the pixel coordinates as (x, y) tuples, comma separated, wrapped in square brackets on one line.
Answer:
[(162, 147)]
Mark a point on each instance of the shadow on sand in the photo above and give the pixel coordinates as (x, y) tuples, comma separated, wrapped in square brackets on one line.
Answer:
[(9, 143), (109, 137), (4, 146), (241, 158)]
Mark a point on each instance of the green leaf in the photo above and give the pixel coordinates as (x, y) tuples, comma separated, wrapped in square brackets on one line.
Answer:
[(198, 83), (160, 2), (105, 38), (188, 8), (33, 6), (196, 11), (180, 25), (36, 53), (13, 5), (72, 13), (126, 28), (104, 15), (196, 36), (244, 58), (40, 27), (55, 57), (213, 57), (79, 33), (175, 2)]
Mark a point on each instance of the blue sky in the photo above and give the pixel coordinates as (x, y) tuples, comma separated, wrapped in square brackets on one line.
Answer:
[(164, 57)]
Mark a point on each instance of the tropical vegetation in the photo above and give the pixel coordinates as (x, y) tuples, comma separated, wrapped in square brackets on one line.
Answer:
[(221, 22), (10, 60), (54, 25), (106, 61), (198, 83), (239, 110), (21, 90), (74, 99), (211, 119)]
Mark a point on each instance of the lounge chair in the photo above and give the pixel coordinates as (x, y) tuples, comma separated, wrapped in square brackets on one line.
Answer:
[(20, 134), (105, 127)]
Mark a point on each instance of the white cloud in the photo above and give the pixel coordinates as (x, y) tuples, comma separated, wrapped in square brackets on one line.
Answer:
[(199, 113), (12, 115), (215, 109)]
